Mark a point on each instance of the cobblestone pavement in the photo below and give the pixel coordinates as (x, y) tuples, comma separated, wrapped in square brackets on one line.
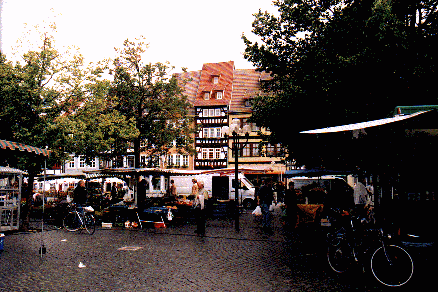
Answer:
[(175, 259)]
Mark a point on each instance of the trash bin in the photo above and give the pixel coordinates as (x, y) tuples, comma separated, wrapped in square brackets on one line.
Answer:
[(2, 241)]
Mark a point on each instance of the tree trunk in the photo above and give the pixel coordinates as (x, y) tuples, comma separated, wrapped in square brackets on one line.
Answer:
[(137, 153)]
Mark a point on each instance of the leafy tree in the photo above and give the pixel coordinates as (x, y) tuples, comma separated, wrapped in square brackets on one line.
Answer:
[(338, 62), (92, 126), (32, 104), (51, 99), (146, 94)]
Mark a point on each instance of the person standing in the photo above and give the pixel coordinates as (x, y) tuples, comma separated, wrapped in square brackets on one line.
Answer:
[(80, 195), (172, 190), (199, 207), (290, 200), (141, 194), (194, 188), (265, 197), (113, 192), (280, 189), (361, 198)]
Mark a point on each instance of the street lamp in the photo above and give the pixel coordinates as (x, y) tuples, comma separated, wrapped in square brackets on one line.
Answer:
[(236, 132)]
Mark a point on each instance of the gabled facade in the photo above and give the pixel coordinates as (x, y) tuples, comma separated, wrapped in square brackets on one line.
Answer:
[(211, 106), (220, 93)]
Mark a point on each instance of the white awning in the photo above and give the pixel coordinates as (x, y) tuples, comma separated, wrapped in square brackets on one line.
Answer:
[(363, 125)]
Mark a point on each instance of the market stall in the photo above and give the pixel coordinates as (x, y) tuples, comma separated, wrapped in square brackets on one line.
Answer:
[(10, 198), (10, 186)]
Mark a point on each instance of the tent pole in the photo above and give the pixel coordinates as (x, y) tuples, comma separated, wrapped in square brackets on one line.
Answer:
[(43, 248)]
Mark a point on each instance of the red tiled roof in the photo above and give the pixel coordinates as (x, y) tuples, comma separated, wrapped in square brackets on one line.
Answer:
[(191, 87), (210, 102), (236, 85), (225, 70), (246, 85)]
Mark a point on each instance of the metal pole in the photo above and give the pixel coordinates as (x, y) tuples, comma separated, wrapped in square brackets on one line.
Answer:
[(236, 179)]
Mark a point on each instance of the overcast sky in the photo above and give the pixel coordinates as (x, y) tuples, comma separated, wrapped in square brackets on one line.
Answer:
[(185, 33)]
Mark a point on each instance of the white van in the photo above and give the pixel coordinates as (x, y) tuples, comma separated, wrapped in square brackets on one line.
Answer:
[(220, 187)]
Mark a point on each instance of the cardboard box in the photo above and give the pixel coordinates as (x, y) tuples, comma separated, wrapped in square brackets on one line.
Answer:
[(107, 225)]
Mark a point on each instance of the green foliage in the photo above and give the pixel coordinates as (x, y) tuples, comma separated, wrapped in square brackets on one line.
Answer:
[(338, 62), (154, 101)]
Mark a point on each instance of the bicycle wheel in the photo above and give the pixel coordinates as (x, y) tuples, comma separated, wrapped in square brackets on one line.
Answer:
[(71, 221), (339, 257), (392, 266), (90, 223)]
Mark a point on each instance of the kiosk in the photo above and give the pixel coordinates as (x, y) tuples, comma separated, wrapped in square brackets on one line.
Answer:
[(10, 198)]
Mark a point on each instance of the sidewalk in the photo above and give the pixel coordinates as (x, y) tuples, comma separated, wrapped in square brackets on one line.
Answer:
[(173, 259)]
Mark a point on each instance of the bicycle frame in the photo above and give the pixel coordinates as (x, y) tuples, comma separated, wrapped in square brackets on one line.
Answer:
[(84, 221), (391, 265)]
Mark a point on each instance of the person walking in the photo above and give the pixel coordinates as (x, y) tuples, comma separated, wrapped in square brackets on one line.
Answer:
[(199, 207), (265, 197)]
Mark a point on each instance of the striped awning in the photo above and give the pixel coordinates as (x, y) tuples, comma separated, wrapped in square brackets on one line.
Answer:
[(22, 147)]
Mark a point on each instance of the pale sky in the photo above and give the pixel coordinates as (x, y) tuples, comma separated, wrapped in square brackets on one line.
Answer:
[(186, 33)]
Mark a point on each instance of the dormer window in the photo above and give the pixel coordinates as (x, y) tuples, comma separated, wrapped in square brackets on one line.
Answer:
[(219, 95), (206, 95), (215, 79)]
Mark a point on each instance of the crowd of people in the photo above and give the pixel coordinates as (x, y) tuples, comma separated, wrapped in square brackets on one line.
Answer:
[(267, 194)]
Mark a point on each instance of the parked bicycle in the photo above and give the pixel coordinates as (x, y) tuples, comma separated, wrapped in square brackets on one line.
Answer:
[(80, 218), (390, 264)]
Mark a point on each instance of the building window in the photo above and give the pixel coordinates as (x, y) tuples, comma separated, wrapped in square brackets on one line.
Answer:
[(215, 79), (255, 150), (246, 151), (217, 153), (177, 160), (210, 153), (217, 112), (185, 160), (250, 150), (211, 112), (206, 95), (93, 163), (71, 164), (130, 161), (156, 183), (204, 153), (82, 162), (205, 112), (219, 95), (274, 150), (248, 103), (215, 132)]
